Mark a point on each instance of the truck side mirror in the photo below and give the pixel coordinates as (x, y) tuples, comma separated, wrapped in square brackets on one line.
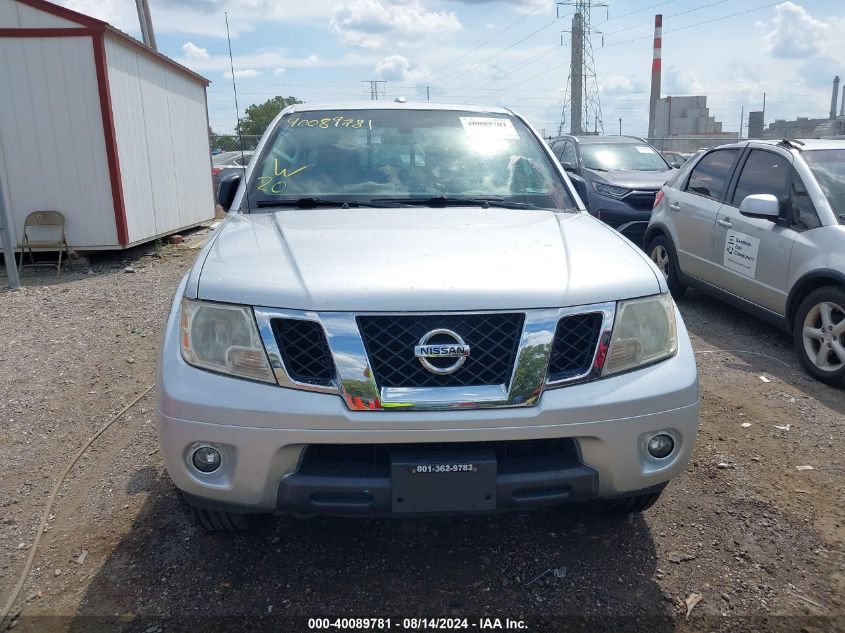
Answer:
[(227, 189)]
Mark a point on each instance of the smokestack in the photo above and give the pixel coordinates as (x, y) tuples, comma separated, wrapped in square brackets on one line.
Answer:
[(577, 74), (655, 73), (842, 103), (834, 97)]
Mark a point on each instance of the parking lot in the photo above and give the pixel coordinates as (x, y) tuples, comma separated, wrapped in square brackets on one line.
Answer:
[(758, 539)]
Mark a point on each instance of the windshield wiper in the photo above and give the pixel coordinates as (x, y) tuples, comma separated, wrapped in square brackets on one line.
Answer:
[(312, 203), (450, 201)]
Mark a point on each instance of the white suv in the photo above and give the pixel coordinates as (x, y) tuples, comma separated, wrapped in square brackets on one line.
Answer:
[(760, 224), (407, 310)]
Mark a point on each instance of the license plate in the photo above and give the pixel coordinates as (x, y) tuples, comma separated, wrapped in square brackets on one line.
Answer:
[(459, 482)]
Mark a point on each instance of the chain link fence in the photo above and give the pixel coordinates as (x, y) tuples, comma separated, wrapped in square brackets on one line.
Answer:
[(691, 144), (233, 143)]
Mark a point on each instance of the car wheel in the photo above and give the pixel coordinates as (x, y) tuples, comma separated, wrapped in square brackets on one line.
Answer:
[(661, 253), (819, 334), (626, 505)]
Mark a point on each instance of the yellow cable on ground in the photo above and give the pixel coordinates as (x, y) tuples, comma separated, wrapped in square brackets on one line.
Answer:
[(16, 592)]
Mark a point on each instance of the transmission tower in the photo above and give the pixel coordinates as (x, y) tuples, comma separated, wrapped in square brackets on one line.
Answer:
[(375, 87), (581, 96)]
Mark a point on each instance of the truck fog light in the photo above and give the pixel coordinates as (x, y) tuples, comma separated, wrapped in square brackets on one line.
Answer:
[(206, 459), (661, 445)]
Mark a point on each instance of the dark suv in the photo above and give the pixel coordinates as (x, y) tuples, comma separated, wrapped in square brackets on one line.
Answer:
[(617, 178)]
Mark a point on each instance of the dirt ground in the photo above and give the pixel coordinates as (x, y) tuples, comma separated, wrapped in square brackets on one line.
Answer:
[(758, 539)]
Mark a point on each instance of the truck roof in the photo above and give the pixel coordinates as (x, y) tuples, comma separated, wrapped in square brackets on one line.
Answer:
[(395, 105)]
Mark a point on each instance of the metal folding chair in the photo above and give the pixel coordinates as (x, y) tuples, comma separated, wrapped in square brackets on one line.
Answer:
[(42, 220)]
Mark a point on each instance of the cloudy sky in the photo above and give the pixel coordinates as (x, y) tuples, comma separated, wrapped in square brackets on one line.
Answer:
[(503, 52)]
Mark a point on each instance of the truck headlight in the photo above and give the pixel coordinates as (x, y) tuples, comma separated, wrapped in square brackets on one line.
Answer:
[(645, 333), (610, 191), (223, 338)]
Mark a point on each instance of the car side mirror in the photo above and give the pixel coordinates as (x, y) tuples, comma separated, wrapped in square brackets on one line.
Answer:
[(676, 165), (761, 205), (227, 189), (567, 166)]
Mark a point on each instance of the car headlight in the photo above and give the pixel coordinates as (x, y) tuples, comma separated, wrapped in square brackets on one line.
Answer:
[(610, 191), (645, 332), (223, 338)]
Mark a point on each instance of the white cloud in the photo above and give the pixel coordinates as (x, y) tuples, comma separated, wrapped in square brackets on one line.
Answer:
[(192, 51), (104, 10), (278, 72), (398, 68), (246, 73), (795, 34), (815, 45), (682, 81), (375, 23)]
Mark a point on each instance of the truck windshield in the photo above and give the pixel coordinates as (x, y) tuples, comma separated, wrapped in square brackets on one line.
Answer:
[(387, 157), (622, 157), (828, 166)]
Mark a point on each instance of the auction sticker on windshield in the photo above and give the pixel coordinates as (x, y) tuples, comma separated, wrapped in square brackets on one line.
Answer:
[(642, 149), (489, 128), (741, 253)]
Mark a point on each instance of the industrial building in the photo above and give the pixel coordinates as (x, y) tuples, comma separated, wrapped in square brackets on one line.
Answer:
[(99, 127), (833, 126), (684, 116)]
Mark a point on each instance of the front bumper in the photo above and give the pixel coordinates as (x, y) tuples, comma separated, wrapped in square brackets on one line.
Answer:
[(629, 220), (262, 431)]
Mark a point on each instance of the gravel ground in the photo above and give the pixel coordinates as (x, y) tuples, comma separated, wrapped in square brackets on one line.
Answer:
[(758, 540)]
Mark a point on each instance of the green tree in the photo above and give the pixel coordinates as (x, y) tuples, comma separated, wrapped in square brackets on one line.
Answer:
[(259, 115)]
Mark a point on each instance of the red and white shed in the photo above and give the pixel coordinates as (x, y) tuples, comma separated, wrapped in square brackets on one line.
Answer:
[(98, 126)]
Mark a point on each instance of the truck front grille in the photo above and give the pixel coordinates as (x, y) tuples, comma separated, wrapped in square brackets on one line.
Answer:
[(574, 346), (390, 339), (641, 199), (323, 457), (304, 351)]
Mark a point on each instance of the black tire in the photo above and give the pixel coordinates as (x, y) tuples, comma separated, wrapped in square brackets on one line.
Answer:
[(831, 295), (626, 505), (671, 266), (215, 521)]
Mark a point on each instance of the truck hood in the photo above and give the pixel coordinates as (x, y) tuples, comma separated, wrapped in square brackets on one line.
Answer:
[(412, 259), (632, 179)]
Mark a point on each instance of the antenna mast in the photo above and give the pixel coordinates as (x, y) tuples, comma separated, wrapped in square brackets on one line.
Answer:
[(581, 96), (237, 109)]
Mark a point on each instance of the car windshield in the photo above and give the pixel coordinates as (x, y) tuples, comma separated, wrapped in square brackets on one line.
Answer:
[(828, 166), (622, 157), (387, 157)]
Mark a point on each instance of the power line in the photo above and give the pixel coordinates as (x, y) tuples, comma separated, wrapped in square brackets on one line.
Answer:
[(673, 15), (689, 26), (488, 40), (492, 57)]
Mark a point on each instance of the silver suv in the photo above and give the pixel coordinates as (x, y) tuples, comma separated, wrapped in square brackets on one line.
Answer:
[(407, 310), (760, 224)]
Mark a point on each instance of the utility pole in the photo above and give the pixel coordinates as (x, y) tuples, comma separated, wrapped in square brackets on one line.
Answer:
[(146, 21), (741, 119), (576, 125), (764, 114), (427, 94), (620, 126), (8, 242), (375, 87)]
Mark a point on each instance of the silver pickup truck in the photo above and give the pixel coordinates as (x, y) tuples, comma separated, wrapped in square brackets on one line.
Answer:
[(408, 310)]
